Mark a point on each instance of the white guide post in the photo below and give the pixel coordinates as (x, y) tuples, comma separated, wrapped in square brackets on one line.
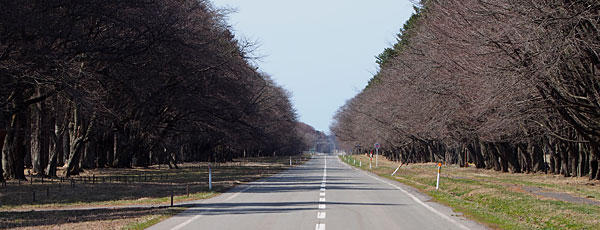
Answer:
[(437, 185), (377, 145), (209, 177)]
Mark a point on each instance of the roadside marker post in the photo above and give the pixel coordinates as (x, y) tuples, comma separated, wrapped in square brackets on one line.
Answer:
[(437, 185), (290, 161), (377, 145), (396, 169), (360, 164), (209, 177)]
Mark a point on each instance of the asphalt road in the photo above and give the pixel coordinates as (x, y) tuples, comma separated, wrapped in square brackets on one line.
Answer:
[(323, 194)]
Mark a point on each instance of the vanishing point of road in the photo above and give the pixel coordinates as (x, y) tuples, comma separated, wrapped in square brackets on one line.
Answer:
[(322, 194)]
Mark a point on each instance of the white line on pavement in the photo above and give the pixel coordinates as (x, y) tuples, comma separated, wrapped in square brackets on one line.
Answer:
[(238, 193), (320, 227), (321, 215), (187, 222), (202, 213), (422, 203)]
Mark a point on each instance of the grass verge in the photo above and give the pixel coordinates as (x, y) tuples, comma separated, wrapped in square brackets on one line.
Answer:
[(500, 200)]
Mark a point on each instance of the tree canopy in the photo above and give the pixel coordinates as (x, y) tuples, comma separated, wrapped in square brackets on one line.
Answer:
[(508, 85), (132, 83)]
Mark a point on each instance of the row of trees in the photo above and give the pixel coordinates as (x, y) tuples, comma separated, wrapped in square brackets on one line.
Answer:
[(97, 83), (507, 85)]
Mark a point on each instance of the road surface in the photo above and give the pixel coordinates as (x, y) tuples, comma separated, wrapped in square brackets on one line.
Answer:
[(322, 194)]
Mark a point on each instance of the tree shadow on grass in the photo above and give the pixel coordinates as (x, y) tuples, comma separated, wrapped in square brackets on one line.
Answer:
[(50, 218)]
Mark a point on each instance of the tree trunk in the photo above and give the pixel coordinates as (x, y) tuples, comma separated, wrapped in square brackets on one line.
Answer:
[(476, 155), (54, 148), (2, 138), (564, 155), (525, 157), (498, 153), (594, 169), (582, 167), (36, 136), (65, 145), (73, 161), (13, 151), (78, 138), (537, 156), (115, 150)]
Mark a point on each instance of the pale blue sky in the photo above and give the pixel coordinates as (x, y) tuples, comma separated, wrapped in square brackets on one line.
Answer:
[(322, 51)]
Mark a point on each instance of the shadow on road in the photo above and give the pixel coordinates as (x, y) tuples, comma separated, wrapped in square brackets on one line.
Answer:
[(263, 207)]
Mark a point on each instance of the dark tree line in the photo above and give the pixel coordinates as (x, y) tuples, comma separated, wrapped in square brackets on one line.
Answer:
[(93, 83), (507, 85)]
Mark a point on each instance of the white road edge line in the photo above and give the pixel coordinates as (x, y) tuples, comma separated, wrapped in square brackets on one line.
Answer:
[(238, 193), (202, 213), (422, 203), (187, 222)]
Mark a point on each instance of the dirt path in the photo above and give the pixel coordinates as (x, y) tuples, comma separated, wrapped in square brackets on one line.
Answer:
[(566, 197)]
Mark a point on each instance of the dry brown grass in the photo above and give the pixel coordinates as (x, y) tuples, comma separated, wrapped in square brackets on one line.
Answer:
[(110, 201)]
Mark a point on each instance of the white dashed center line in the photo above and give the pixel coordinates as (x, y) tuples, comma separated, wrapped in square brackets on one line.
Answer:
[(321, 214), (320, 227)]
